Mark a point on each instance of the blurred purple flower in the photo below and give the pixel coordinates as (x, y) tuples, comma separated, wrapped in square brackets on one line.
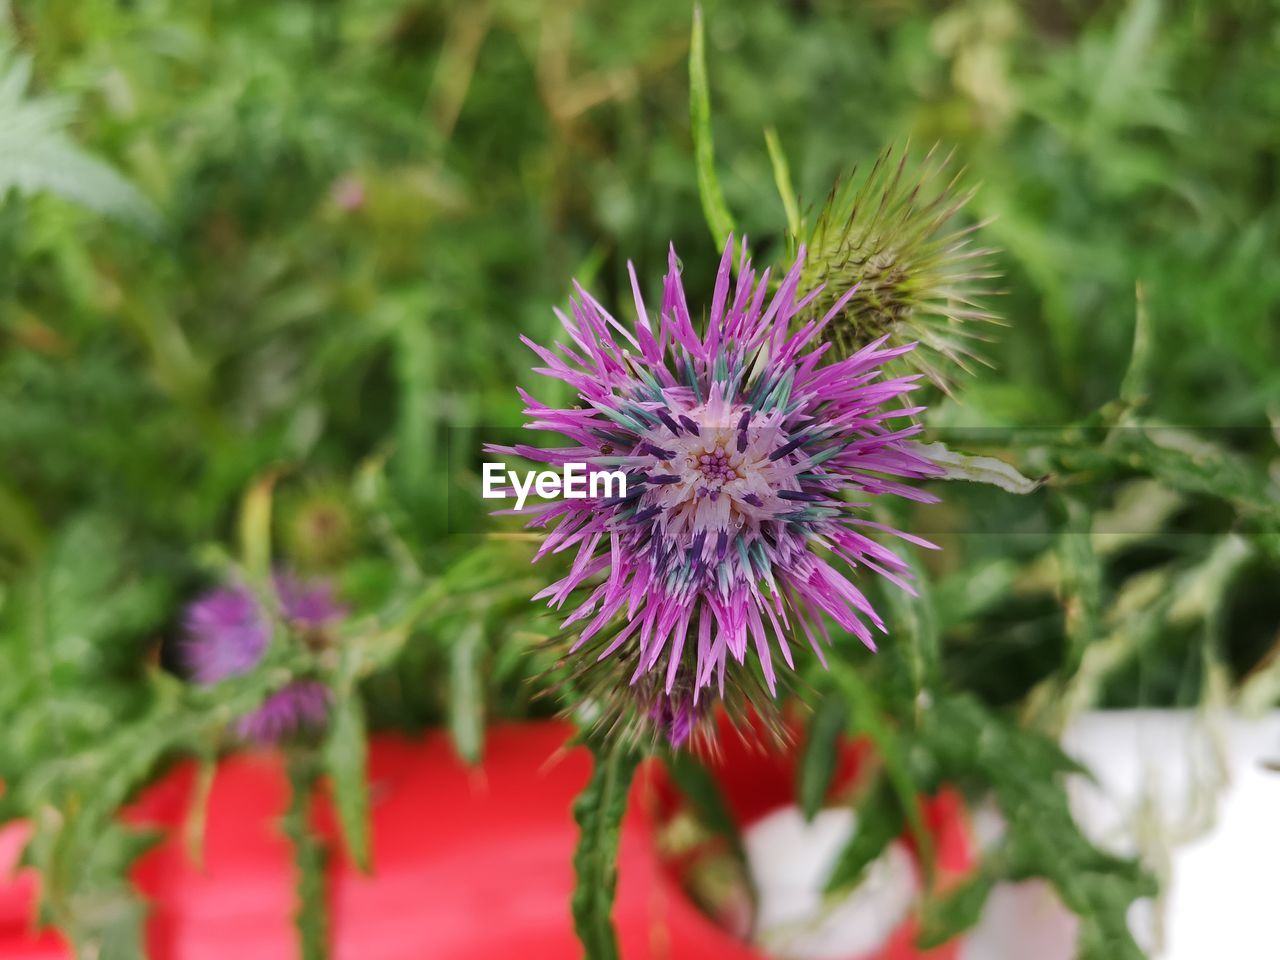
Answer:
[(308, 604), (750, 456), (227, 634), (348, 193), (302, 705)]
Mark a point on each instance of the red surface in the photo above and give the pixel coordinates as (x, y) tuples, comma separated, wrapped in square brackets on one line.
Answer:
[(17, 904), (470, 864)]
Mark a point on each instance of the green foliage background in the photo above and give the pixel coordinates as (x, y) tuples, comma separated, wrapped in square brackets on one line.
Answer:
[(262, 263)]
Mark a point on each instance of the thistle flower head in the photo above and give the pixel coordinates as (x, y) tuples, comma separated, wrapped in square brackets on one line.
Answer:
[(306, 604), (227, 634), (918, 277), (302, 705), (748, 455), (320, 528)]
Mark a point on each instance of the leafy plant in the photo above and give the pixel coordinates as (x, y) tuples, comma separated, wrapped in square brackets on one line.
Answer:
[(349, 211), (38, 156)]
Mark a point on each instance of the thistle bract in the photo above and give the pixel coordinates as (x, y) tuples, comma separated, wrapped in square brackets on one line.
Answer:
[(748, 459), (227, 634), (918, 277)]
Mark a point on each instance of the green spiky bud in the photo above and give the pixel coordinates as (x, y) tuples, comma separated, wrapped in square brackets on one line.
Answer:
[(320, 528), (919, 276)]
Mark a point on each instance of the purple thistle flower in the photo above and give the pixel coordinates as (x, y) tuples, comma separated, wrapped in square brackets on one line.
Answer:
[(306, 604), (748, 458), (227, 634), (302, 705)]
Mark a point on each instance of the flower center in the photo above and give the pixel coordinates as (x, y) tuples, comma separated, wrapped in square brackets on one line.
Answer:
[(716, 470), (719, 471)]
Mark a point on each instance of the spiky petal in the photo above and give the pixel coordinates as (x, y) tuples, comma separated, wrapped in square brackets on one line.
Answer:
[(892, 234), (748, 458)]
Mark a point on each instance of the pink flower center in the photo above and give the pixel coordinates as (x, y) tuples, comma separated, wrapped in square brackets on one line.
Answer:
[(716, 467), (716, 478)]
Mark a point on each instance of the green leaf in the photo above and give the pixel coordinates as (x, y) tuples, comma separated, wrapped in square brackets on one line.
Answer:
[(869, 721), (958, 466), (969, 742), (1081, 581), (87, 863), (20, 526), (1051, 704), (80, 850), (1135, 387), (37, 156), (714, 207), (466, 692), (255, 527), (85, 612), (821, 752), (193, 827), (1185, 461), (782, 179), (879, 822), (947, 916), (699, 787), (345, 760), (598, 811), (915, 625)]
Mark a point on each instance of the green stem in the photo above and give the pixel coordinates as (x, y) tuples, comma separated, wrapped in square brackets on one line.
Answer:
[(309, 854), (598, 811)]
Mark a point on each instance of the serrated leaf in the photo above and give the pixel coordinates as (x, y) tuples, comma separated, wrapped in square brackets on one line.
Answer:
[(714, 208), (81, 610), (959, 466), (869, 721), (1081, 581), (1051, 703), (1187, 462), (84, 889), (967, 740), (915, 623), (598, 812), (37, 156), (818, 760), (948, 915), (878, 823)]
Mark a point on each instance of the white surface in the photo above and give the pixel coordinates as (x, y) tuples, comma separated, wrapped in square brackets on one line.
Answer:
[(1022, 921), (791, 860), (1187, 792)]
